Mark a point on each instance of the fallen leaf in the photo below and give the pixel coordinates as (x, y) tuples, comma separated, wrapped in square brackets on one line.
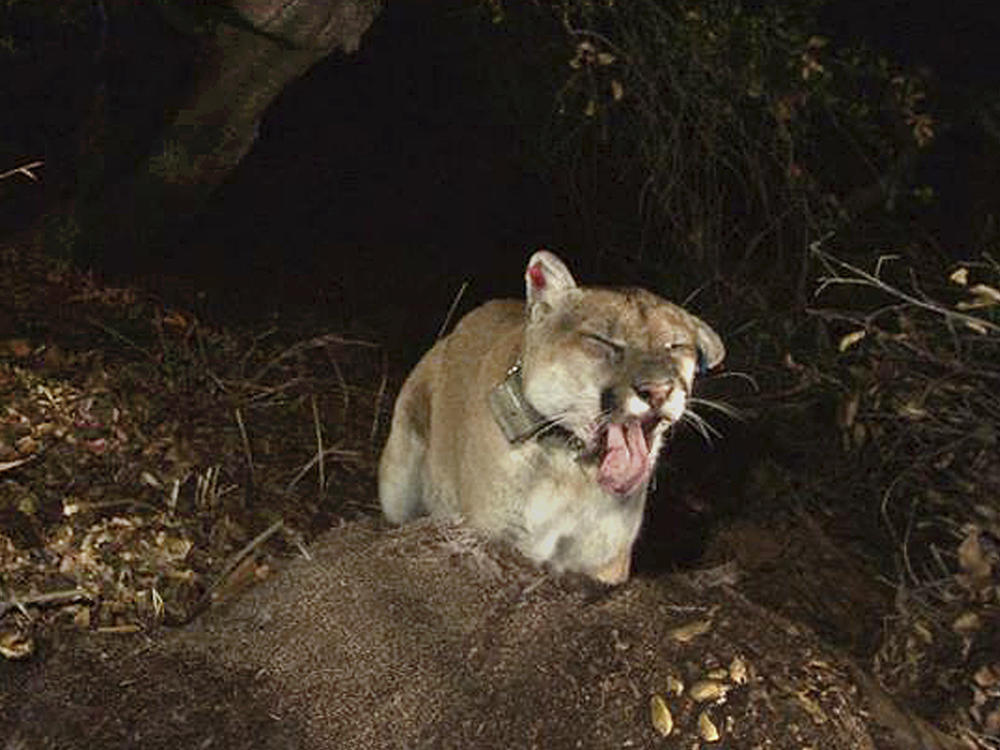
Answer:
[(851, 339), (985, 292), (663, 722)]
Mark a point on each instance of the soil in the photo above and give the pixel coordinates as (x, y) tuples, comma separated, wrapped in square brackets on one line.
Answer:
[(427, 636)]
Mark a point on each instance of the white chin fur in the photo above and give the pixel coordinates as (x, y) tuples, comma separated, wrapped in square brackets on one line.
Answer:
[(636, 407), (675, 405)]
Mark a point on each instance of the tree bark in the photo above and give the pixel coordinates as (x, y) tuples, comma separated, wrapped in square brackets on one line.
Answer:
[(245, 53)]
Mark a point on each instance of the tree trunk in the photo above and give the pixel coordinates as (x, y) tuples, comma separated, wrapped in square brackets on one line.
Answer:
[(243, 55)]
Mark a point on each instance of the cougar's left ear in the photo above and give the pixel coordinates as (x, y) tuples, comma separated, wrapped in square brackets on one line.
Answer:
[(545, 279), (710, 349)]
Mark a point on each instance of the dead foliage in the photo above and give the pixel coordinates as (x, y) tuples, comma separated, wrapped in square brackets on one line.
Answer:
[(917, 380), (150, 464)]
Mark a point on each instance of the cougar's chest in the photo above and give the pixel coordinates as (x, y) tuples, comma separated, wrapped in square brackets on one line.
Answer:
[(563, 516)]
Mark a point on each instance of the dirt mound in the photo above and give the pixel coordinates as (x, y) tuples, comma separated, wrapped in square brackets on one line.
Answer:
[(426, 636)]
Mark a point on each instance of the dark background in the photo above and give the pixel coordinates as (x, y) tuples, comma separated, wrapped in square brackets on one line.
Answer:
[(384, 180), (381, 182)]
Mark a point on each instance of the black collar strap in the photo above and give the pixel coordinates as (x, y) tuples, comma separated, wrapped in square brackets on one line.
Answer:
[(520, 421), (517, 418)]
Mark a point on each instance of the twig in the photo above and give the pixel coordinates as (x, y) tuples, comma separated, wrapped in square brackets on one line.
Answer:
[(219, 383), (383, 383), (124, 339), (246, 441), (66, 595), (234, 562), (338, 452), (260, 392), (863, 278), (294, 537), (319, 449), (206, 492), (70, 509), (125, 629), (243, 553), (343, 386), (253, 347), (8, 465), (25, 170), (313, 343), (451, 310)]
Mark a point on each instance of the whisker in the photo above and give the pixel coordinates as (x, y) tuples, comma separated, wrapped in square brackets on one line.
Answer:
[(552, 424), (701, 425), (719, 406), (561, 420), (734, 374)]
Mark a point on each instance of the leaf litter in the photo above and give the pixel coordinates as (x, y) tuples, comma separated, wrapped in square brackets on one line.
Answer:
[(150, 464)]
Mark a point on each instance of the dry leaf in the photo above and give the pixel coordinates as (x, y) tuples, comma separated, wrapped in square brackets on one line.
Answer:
[(847, 411), (738, 671), (967, 622), (851, 339), (663, 722), (706, 728), (690, 631), (976, 326), (675, 686), (707, 690), (986, 293)]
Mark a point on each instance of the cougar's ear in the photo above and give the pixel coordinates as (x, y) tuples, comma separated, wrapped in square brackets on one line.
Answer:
[(710, 349), (545, 279)]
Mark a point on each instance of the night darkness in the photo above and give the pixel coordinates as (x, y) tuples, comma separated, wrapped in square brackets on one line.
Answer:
[(389, 170), (399, 172)]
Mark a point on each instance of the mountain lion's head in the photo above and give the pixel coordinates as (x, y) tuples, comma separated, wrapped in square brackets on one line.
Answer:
[(612, 366)]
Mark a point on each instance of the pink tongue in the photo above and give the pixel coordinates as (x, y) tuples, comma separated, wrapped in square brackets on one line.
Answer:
[(626, 461)]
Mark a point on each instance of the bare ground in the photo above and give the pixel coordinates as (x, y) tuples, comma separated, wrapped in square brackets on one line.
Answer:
[(428, 637)]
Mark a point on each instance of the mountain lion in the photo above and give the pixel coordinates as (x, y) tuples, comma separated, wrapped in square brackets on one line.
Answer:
[(541, 423)]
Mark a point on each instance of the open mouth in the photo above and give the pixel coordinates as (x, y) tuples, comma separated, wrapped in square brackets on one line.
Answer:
[(625, 463)]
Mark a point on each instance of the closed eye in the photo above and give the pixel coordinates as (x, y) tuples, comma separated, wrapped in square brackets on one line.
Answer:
[(605, 346), (682, 348)]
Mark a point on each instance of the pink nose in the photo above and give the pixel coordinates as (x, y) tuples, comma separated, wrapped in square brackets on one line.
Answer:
[(655, 394)]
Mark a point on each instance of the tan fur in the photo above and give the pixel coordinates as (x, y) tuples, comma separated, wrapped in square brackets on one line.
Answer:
[(588, 357)]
